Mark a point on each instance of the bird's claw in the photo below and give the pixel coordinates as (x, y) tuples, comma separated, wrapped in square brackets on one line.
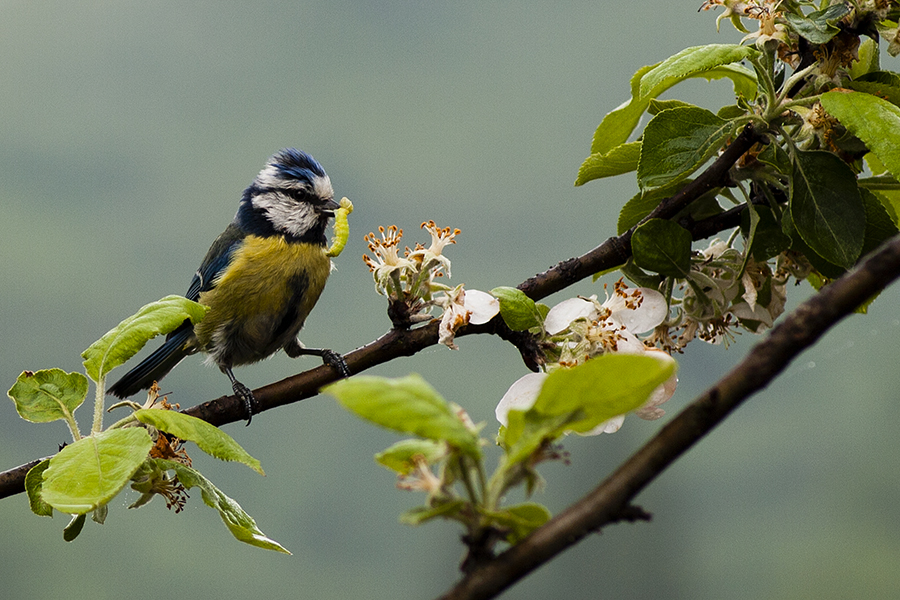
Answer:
[(336, 361), (247, 397)]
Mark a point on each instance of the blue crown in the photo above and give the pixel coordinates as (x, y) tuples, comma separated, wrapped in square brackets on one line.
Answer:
[(296, 164)]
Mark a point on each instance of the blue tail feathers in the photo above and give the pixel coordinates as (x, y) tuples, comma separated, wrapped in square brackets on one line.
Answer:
[(156, 366)]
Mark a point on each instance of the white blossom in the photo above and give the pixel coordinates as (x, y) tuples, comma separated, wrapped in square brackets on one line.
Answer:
[(482, 306), (638, 310)]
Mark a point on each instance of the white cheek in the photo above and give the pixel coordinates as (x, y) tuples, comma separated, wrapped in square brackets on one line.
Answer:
[(299, 220), (285, 214)]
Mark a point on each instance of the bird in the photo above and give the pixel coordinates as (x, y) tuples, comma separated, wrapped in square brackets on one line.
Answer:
[(260, 279)]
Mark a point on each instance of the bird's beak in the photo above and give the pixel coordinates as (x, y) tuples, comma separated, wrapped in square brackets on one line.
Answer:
[(328, 207)]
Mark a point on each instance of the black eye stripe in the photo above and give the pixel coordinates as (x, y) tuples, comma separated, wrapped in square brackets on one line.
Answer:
[(302, 196)]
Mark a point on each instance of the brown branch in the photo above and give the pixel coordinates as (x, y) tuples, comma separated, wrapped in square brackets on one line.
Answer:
[(615, 251), (798, 331), (406, 342)]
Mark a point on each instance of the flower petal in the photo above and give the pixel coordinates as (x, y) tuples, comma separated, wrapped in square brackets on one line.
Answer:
[(520, 395), (567, 311), (610, 426), (650, 411), (750, 293), (482, 306), (652, 311), (758, 313), (628, 343)]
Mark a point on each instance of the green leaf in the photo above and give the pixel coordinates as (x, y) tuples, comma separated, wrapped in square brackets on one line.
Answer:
[(742, 79), (879, 225), (891, 93), (208, 438), (406, 404), (639, 206), (703, 61), (73, 529), (663, 247), (520, 519), (708, 62), (519, 312), (818, 27), (34, 479), (677, 142), (621, 159), (526, 431), (239, 523), (821, 265), (767, 239), (875, 166), (421, 514), (873, 120), (90, 472), (602, 388), (888, 78), (128, 337), (48, 395), (732, 111), (890, 199), (401, 457), (776, 157), (657, 106), (826, 208), (580, 398), (643, 203), (639, 277), (616, 127), (891, 33), (868, 61)]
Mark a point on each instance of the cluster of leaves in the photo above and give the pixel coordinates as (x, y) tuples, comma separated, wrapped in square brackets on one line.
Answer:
[(140, 449), (812, 98), (445, 459), (808, 207)]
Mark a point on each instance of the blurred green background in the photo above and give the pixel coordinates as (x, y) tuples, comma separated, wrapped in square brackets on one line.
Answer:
[(129, 130)]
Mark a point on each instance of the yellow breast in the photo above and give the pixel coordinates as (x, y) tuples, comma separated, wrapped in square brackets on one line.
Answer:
[(264, 295)]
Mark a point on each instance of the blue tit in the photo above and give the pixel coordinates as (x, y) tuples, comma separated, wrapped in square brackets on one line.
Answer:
[(260, 279)]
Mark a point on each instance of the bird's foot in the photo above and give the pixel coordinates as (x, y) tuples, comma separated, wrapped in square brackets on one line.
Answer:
[(336, 361), (247, 397)]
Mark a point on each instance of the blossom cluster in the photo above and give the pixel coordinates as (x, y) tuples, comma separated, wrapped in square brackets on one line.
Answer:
[(725, 291), (409, 281), (571, 333), (578, 329)]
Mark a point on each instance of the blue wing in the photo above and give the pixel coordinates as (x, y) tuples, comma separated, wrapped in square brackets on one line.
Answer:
[(216, 261)]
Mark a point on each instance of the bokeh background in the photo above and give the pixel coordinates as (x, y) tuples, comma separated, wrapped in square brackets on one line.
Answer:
[(129, 130)]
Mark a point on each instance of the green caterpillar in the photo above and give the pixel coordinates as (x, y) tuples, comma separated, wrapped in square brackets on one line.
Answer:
[(341, 228)]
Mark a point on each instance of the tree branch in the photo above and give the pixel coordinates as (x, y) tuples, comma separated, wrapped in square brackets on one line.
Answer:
[(616, 250), (604, 505), (395, 343)]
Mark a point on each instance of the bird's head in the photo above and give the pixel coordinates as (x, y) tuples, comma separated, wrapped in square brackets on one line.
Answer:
[(291, 196)]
